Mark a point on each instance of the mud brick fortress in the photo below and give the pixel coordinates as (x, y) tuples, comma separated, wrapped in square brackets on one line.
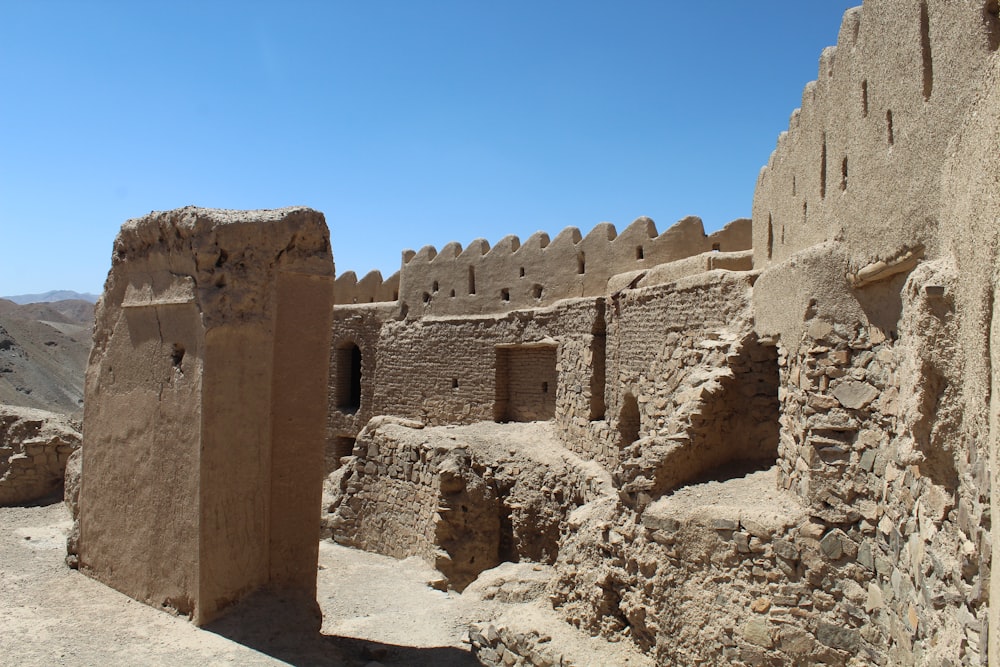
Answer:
[(771, 445)]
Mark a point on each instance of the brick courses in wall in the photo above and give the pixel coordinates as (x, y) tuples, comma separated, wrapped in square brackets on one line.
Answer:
[(34, 448)]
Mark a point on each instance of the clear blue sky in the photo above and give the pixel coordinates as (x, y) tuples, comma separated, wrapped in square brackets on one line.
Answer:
[(407, 123)]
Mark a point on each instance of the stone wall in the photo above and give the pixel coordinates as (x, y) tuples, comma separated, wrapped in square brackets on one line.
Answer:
[(34, 448), (463, 499), (872, 441)]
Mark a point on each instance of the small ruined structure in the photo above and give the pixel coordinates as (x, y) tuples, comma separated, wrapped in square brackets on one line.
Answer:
[(34, 448), (205, 409)]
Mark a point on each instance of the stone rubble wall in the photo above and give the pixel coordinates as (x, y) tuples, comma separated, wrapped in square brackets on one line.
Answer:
[(462, 507), (34, 448), (503, 647), (757, 584), (511, 275), (872, 440)]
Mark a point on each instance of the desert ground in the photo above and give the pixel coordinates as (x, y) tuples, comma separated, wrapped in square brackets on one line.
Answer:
[(376, 611)]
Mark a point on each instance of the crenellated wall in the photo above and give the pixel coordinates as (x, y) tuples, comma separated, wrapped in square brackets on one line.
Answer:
[(370, 289), (511, 275), (861, 160)]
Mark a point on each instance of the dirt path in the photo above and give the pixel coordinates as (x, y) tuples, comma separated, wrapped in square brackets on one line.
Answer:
[(376, 611)]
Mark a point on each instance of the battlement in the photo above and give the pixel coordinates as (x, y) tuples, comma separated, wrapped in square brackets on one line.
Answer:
[(370, 289), (513, 275), (861, 159)]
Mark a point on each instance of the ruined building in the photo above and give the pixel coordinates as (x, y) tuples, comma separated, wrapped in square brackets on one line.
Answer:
[(770, 445)]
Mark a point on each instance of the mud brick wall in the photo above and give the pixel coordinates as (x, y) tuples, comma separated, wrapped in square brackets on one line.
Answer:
[(353, 326), (444, 371)]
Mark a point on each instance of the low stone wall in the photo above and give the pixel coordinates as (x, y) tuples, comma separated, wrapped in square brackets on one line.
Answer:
[(463, 499), (34, 448), (502, 647)]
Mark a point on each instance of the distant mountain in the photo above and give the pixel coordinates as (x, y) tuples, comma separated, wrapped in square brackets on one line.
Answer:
[(43, 353), (49, 297)]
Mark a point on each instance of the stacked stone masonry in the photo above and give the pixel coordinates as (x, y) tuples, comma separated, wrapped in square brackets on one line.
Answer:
[(34, 448)]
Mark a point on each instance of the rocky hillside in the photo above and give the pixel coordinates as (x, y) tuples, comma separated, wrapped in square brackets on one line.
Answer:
[(43, 353)]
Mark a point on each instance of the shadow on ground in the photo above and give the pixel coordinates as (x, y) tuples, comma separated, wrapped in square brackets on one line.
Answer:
[(289, 630)]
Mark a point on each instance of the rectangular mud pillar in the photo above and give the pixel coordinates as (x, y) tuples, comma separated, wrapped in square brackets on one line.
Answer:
[(205, 410)]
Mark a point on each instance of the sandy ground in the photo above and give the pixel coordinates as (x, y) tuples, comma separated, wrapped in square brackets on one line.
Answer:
[(376, 611)]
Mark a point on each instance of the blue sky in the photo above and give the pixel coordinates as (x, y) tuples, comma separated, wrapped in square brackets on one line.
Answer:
[(406, 123)]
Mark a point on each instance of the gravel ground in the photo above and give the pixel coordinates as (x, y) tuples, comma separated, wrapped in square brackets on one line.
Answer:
[(376, 611)]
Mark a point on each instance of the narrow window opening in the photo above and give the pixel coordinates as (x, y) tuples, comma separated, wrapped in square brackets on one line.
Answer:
[(395, 296), (348, 386), (805, 212), (434, 287), (521, 272), (793, 185), (581, 263), (454, 383), (864, 98), (822, 170), (452, 294), (843, 175), (505, 294), (427, 297), (782, 235), (598, 365), (638, 253), (770, 237), (925, 51), (889, 128), (371, 299), (536, 291), (716, 247), (545, 387), (472, 280)]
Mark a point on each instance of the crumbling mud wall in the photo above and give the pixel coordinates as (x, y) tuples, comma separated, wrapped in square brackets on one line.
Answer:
[(206, 402), (692, 389), (34, 448), (445, 371)]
